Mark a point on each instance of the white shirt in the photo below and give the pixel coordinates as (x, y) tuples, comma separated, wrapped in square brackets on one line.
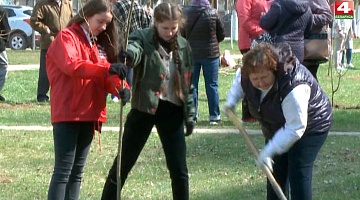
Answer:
[(295, 109)]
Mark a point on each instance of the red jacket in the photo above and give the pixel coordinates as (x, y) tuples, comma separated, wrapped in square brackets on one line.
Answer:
[(79, 78), (249, 13)]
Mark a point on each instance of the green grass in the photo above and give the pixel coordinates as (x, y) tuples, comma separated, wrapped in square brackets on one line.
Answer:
[(21, 107), (21, 57), (220, 167)]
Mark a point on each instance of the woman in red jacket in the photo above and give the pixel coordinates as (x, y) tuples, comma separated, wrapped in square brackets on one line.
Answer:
[(80, 75), (249, 13)]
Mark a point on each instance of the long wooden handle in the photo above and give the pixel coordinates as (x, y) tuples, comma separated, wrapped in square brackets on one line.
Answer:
[(255, 152), (118, 170)]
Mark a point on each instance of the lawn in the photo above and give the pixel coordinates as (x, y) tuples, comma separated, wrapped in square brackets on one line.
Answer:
[(220, 165)]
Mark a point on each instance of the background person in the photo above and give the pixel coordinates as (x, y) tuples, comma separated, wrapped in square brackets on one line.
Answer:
[(4, 34), (48, 18), (289, 21), (294, 113), (349, 45), (162, 96), (341, 29), (80, 74), (249, 13), (204, 31), (140, 19), (322, 18)]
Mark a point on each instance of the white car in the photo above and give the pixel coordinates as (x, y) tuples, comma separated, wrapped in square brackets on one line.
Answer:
[(21, 31)]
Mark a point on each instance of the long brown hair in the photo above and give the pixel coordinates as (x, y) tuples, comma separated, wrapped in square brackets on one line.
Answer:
[(164, 12), (107, 38)]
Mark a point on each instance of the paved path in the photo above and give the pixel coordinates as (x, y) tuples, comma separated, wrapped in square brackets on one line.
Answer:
[(23, 67), (197, 130)]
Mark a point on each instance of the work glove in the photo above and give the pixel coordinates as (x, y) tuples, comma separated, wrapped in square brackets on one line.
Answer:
[(265, 159), (125, 95), (127, 56), (119, 69), (226, 109), (190, 124)]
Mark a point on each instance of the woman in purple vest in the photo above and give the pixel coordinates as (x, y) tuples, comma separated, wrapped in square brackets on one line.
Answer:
[(294, 113)]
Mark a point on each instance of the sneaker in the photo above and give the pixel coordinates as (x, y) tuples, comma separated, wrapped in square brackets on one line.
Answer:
[(42, 98), (115, 99), (342, 68), (2, 98), (215, 122), (350, 65)]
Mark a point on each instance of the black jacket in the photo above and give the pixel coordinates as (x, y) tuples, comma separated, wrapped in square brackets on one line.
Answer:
[(289, 21), (4, 28), (204, 30)]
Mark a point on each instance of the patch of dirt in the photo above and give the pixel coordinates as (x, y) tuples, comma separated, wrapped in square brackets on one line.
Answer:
[(346, 107), (4, 179)]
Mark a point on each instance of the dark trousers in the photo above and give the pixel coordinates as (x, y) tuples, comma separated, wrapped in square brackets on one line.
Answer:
[(313, 68), (169, 124), (72, 142), (43, 81), (129, 76), (294, 168)]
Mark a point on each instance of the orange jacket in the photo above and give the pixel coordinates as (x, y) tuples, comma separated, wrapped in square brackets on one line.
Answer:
[(79, 78)]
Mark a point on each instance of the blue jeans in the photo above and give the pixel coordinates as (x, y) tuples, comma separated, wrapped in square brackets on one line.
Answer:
[(72, 142), (294, 168), (210, 68)]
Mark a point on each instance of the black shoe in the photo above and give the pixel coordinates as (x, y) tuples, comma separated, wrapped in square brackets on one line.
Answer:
[(2, 98), (43, 100)]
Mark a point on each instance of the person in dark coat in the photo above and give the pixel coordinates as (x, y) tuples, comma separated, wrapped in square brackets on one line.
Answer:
[(322, 17), (204, 30), (289, 21), (4, 33), (294, 113)]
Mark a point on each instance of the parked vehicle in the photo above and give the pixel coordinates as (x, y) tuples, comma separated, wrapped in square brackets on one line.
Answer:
[(21, 31)]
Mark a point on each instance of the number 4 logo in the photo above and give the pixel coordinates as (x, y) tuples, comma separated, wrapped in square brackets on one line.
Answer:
[(344, 9)]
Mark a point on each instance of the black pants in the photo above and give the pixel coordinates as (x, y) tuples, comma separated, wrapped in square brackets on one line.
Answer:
[(294, 168), (313, 68), (169, 124), (43, 81), (72, 141)]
